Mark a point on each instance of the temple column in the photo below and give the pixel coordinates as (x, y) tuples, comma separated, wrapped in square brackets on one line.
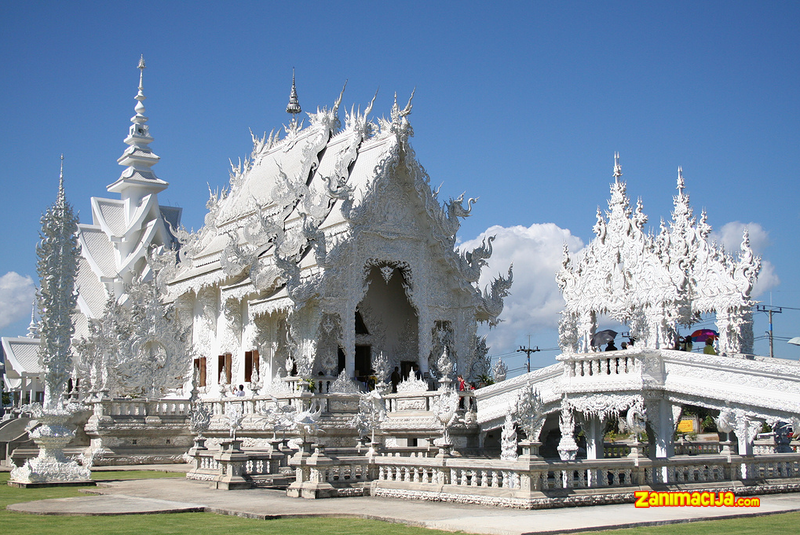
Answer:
[(746, 431), (593, 431), (659, 416), (348, 318), (23, 381)]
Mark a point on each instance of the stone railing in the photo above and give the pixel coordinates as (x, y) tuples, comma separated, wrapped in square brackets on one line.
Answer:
[(601, 365), (142, 407), (685, 447), (535, 482), (230, 467)]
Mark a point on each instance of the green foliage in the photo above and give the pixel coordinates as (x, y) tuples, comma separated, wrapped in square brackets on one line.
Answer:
[(708, 424), (485, 380)]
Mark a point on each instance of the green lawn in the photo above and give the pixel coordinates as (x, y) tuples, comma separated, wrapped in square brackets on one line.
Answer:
[(194, 523), (754, 525), (207, 523)]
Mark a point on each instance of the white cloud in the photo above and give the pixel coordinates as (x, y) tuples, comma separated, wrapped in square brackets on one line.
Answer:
[(730, 237), (535, 301), (16, 297)]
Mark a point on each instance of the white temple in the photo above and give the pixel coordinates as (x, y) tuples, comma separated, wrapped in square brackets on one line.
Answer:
[(329, 260), (331, 248)]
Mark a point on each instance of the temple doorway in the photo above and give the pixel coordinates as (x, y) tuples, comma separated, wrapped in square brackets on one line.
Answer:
[(386, 322)]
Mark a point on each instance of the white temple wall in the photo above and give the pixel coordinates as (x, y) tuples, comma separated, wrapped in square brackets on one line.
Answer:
[(304, 327), (204, 329)]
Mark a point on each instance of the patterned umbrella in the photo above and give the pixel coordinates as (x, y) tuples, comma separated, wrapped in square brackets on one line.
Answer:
[(795, 341), (702, 335)]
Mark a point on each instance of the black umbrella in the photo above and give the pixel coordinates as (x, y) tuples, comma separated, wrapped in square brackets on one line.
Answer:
[(601, 338)]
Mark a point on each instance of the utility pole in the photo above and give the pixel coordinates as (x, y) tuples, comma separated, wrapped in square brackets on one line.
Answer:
[(528, 351), (770, 310)]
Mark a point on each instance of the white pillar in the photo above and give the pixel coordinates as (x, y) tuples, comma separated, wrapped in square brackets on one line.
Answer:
[(659, 415), (22, 390), (593, 430)]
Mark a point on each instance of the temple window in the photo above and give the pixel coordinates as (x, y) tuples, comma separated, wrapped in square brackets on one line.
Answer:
[(225, 360), (200, 369), (250, 363)]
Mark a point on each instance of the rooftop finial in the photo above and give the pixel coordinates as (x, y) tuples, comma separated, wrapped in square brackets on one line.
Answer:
[(294, 105), (681, 183), (140, 95), (61, 194), (141, 68), (617, 167), (33, 327)]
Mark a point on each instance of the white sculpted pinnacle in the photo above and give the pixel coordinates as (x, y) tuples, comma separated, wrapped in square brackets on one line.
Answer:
[(57, 266), (655, 284), (58, 254)]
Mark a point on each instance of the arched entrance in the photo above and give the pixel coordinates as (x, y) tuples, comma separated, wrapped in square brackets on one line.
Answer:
[(386, 321)]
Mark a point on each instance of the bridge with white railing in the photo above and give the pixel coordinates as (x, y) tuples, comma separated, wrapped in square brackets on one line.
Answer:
[(750, 391)]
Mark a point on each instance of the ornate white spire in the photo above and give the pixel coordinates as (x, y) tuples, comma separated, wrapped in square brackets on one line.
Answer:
[(617, 167), (138, 179), (294, 104), (681, 183), (33, 327), (62, 198)]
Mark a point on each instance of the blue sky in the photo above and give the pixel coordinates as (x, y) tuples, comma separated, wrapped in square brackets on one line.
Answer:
[(520, 104)]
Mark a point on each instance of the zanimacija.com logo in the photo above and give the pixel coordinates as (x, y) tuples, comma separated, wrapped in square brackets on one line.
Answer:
[(647, 498)]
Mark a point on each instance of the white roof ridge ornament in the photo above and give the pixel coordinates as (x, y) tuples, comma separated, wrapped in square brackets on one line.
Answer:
[(617, 167), (294, 104)]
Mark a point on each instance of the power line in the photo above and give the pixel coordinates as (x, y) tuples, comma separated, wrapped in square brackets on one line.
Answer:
[(770, 310), (528, 350)]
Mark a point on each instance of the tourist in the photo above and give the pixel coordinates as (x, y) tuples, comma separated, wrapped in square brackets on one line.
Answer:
[(395, 379), (462, 385), (624, 345), (709, 349), (415, 371), (240, 391), (611, 346)]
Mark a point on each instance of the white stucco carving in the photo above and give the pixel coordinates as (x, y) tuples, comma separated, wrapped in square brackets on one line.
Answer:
[(653, 284)]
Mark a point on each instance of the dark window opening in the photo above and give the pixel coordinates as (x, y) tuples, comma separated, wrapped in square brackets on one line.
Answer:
[(250, 364), (363, 361), (200, 369), (226, 361)]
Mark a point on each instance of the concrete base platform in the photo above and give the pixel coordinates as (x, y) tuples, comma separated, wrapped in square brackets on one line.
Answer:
[(118, 504)]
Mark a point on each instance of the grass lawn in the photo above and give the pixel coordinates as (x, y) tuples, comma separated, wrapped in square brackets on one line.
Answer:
[(194, 523), (754, 525), (212, 524)]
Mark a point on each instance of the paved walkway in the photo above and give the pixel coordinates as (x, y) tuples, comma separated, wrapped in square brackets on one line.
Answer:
[(157, 495)]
